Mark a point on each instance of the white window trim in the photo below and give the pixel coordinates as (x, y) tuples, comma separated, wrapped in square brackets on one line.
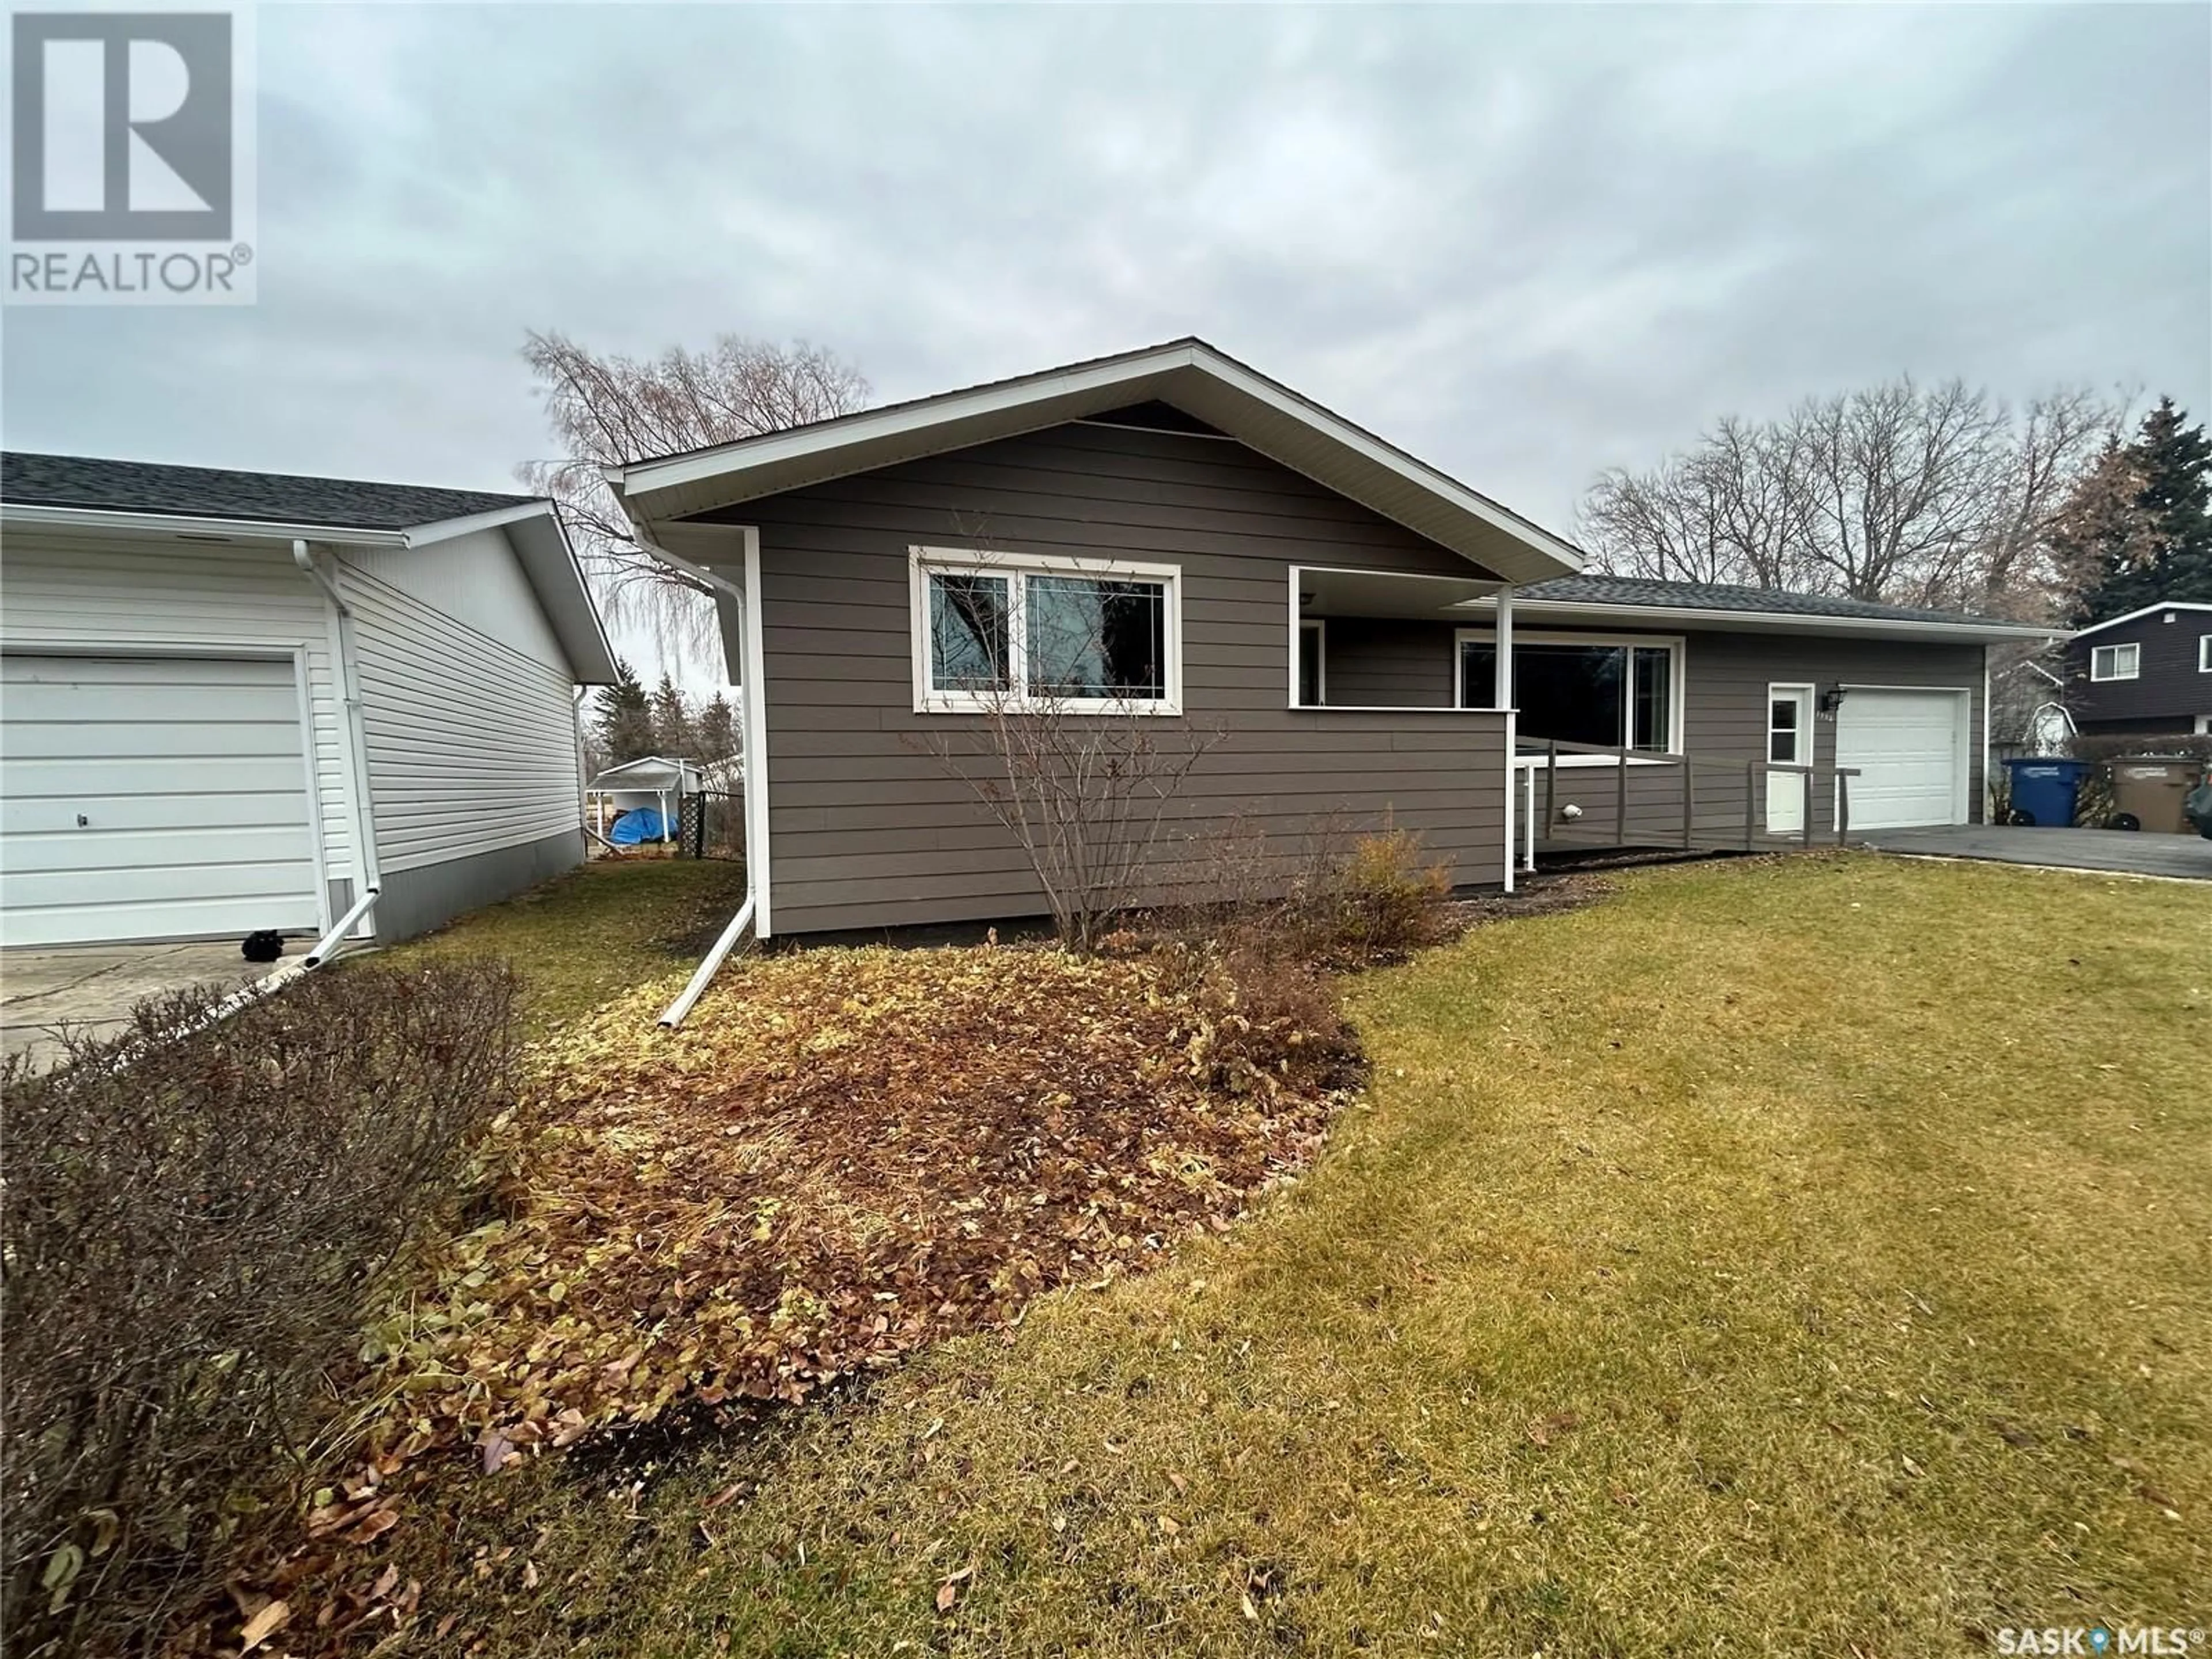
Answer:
[(921, 561), (1320, 627), (2204, 653), (1677, 678), (2112, 653)]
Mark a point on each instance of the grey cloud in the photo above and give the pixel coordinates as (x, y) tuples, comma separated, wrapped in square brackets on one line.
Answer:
[(1524, 243)]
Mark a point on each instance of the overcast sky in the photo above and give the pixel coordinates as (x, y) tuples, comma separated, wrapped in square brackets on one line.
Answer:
[(1523, 243)]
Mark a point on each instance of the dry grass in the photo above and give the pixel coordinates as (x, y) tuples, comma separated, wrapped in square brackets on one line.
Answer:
[(593, 933), (1807, 1257)]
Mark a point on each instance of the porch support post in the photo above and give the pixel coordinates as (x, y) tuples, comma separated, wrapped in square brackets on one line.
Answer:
[(1502, 695)]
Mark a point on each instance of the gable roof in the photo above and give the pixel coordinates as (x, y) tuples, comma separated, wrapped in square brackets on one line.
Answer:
[(86, 492), (1187, 375), (2137, 615), (93, 484), (1727, 606), (643, 772)]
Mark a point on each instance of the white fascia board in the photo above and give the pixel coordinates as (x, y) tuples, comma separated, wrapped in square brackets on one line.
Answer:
[(170, 524), (644, 476), (428, 534), (555, 575), (2135, 616), (855, 432), (1963, 631)]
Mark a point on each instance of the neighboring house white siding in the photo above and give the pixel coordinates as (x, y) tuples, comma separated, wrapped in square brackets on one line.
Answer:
[(476, 580), (79, 592), (472, 742)]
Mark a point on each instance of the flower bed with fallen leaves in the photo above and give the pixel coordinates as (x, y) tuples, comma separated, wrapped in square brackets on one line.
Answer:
[(842, 1155)]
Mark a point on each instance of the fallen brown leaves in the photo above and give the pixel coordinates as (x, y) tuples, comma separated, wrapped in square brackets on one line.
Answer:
[(842, 1155)]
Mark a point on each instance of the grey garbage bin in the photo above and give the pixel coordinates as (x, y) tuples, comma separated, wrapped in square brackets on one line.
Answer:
[(2148, 790)]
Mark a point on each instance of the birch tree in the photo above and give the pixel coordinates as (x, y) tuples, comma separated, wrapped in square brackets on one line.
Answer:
[(605, 409)]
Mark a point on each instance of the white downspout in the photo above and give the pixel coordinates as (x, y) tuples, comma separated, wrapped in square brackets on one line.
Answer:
[(754, 911), (348, 686), (1502, 697)]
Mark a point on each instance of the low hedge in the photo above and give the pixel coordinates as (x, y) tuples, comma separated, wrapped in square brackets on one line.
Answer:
[(194, 1226)]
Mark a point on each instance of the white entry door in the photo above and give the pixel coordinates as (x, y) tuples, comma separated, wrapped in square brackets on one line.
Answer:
[(1788, 742), (1910, 748), (151, 797)]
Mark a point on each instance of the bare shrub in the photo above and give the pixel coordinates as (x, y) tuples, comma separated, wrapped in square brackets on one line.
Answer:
[(194, 1228), (1379, 902), (1343, 901), (1273, 1019), (1259, 943), (1060, 729)]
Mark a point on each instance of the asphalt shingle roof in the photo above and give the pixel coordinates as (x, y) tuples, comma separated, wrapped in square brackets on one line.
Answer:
[(1595, 589), (104, 486)]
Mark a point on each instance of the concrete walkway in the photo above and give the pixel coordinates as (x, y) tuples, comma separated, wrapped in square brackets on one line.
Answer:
[(2136, 855), (95, 985)]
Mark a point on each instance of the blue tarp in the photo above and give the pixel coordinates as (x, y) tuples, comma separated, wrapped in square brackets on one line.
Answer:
[(639, 824)]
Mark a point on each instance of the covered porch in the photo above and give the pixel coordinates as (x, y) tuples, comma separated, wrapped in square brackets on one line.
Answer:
[(1598, 715)]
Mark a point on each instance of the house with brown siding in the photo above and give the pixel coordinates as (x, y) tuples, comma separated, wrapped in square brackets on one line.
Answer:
[(1366, 640), (2147, 673)]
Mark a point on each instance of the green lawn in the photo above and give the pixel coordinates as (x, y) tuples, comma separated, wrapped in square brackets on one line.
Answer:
[(1798, 1257)]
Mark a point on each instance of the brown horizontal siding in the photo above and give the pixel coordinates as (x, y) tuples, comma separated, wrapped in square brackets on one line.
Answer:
[(1379, 664), (868, 828), (2168, 692), (1724, 712)]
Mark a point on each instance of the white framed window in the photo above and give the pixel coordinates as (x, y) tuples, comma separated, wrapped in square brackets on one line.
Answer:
[(1313, 663), (996, 631), (2115, 662), (1613, 690), (2204, 653)]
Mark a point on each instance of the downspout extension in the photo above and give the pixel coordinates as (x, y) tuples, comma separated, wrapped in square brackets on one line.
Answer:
[(712, 963), (332, 942), (349, 693)]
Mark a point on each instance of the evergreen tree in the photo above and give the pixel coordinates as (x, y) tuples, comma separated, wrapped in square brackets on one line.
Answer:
[(674, 733), (2138, 531), (622, 717), (718, 730)]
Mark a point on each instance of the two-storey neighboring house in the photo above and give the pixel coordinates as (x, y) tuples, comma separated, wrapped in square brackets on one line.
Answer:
[(2149, 671)]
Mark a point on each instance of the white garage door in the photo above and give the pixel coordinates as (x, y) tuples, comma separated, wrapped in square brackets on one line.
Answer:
[(146, 798), (1911, 754)]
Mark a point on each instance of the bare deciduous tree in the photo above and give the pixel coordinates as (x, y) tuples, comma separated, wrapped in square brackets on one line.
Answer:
[(607, 411), (1937, 496)]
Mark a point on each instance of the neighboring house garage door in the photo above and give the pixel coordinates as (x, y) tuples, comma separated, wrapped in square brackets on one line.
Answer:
[(1910, 748), (146, 798)]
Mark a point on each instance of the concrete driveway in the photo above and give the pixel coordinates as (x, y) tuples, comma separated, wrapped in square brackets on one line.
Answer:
[(2136, 855), (94, 986)]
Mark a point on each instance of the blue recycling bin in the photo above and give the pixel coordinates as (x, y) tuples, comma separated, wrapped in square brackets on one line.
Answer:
[(2044, 791)]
